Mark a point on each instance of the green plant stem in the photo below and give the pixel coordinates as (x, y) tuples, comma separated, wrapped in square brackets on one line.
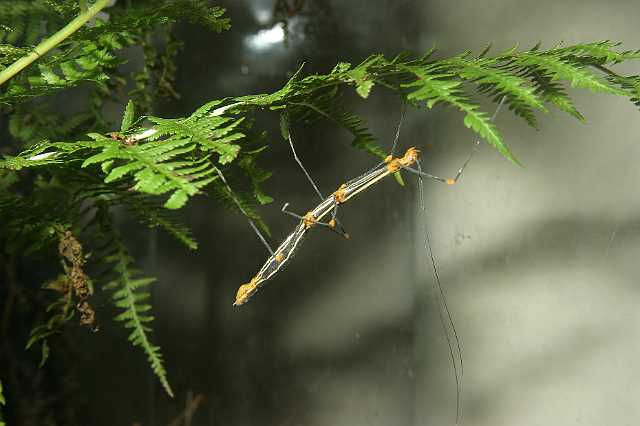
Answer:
[(52, 41)]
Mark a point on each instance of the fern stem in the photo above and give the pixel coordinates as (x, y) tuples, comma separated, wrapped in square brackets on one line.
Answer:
[(607, 70), (52, 41)]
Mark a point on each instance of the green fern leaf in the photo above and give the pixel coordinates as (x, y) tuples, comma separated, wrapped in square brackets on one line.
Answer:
[(559, 68), (178, 199), (600, 52), (554, 93), (256, 175), (130, 294), (434, 88), (149, 166), (210, 133), (360, 75), (520, 96), (330, 107), (26, 18), (629, 83), (127, 118), (154, 215)]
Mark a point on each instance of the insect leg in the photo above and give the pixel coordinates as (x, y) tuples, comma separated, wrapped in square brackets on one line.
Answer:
[(334, 220), (284, 210), (452, 181), (239, 205), (331, 224), (295, 156)]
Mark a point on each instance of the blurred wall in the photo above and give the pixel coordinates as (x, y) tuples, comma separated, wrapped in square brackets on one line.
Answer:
[(539, 263)]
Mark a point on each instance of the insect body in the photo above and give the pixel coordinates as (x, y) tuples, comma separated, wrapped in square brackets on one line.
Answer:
[(345, 192)]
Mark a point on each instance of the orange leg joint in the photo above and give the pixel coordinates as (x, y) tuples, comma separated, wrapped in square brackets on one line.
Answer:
[(309, 220), (340, 195)]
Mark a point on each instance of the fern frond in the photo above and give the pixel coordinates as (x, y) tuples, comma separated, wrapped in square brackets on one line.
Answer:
[(156, 168), (89, 55), (256, 175), (434, 88), (496, 82), (130, 294), (529, 80), (141, 16), (31, 223), (85, 62), (210, 133), (174, 157), (329, 106), (600, 52), (553, 92), (26, 19), (36, 123), (197, 12), (631, 84), (153, 215), (361, 76), (10, 53), (559, 67), (74, 287), (62, 312)]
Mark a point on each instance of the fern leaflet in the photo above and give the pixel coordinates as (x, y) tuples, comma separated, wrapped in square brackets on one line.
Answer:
[(130, 294)]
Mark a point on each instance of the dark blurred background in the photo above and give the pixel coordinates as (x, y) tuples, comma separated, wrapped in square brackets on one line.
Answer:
[(539, 262)]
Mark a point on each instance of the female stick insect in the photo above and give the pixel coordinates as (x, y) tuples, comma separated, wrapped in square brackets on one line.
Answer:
[(344, 193), (329, 205)]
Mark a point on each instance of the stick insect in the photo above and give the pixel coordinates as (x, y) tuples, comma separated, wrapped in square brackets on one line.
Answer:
[(314, 217), (329, 205)]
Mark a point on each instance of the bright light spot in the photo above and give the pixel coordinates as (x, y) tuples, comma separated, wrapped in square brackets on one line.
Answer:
[(263, 16), (42, 156), (147, 133), (265, 39)]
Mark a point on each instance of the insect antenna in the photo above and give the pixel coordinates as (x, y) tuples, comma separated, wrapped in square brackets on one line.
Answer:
[(443, 303), (429, 249), (403, 110)]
